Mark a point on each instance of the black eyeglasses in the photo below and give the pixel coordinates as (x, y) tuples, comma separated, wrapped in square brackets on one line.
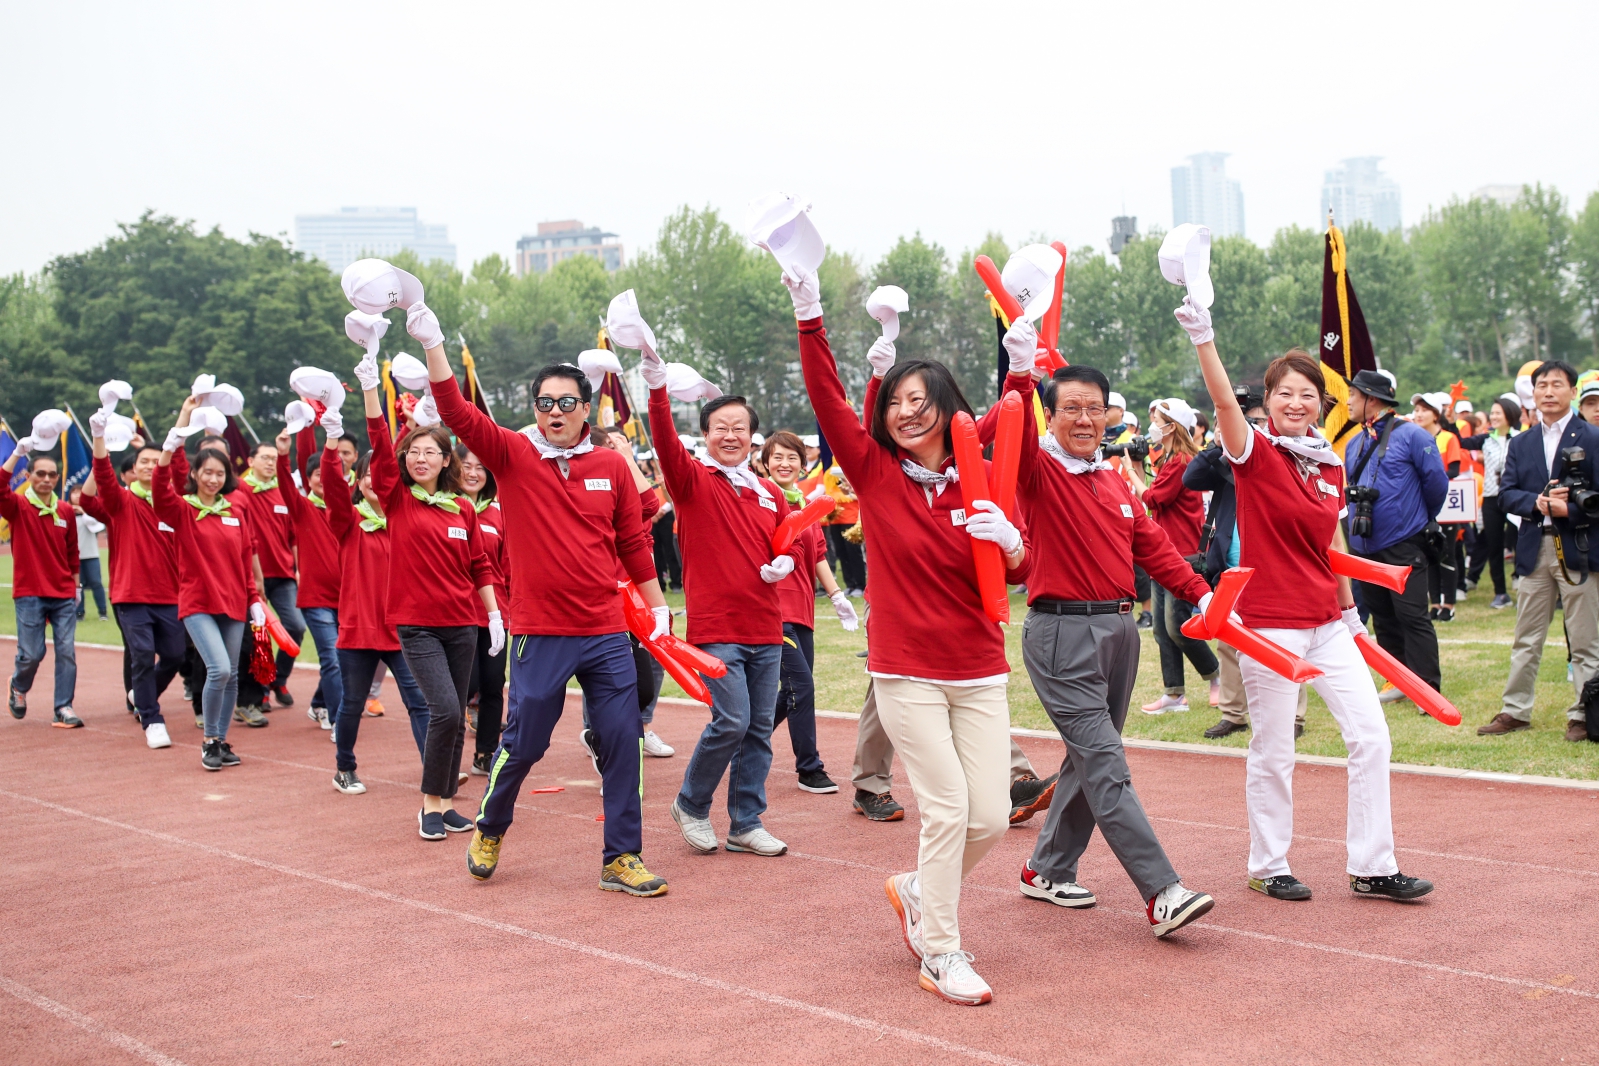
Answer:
[(568, 404)]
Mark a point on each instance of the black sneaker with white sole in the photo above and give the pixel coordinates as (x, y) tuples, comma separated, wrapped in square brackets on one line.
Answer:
[(1175, 906), (878, 808), (346, 782), (591, 744), (211, 755), (480, 764), (1393, 886), (228, 758), (456, 822), (1283, 886), (1061, 893), (17, 701), (818, 782), (430, 826)]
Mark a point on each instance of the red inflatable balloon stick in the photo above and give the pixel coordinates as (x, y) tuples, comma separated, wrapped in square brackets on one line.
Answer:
[(1008, 452), (1049, 358), (689, 655), (1353, 566), (1217, 624), (677, 657), (280, 636), (1405, 680), (974, 486), (797, 521), (996, 288)]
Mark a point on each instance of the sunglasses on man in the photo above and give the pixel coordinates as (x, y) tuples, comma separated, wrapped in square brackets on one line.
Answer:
[(567, 404)]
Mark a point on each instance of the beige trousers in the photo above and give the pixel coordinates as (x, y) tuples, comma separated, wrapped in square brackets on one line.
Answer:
[(874, 752), (1535, 609), (1234, 704), (955, 744)]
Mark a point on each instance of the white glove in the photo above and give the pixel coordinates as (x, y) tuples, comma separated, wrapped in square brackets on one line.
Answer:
[(989, 523), (425, 413), (97, 423), (777, 569), (496, 633), (1351, 618), (26, 445), (257, 614), (423, 326), (333, 423), (845, 611), (806, 292), (881, 356), (1204, 601), (652, 370), (174, 441), (1021, 344), (1196, 321), (663, 622), (366, 371)]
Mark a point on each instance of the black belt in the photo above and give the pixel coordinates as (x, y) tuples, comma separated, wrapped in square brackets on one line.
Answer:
[(1083, 606)]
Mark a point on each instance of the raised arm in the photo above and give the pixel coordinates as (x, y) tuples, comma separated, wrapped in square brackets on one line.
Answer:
[(677, 465), (489, 441), (298, 504), (1231, 426), (341, 511)]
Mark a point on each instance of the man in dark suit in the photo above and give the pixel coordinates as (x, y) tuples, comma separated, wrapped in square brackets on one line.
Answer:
[(1556, 549)]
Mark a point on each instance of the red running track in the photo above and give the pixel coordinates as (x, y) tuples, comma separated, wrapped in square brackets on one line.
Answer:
[(157, 913)]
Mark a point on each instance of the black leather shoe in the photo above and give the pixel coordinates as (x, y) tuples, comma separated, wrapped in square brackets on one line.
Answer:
[(1224, 728)]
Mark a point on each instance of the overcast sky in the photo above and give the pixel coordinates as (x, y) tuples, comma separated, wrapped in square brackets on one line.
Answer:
[(952, 119)]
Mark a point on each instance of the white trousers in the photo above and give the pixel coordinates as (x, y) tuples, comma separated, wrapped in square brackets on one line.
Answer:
[(1347, 688)]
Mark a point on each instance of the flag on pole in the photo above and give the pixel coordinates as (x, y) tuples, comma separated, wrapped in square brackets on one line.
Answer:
[(76, 458), (474, 388), (1002, 324), (389, 414), (614, 410), (238, 447), (1345, 342)]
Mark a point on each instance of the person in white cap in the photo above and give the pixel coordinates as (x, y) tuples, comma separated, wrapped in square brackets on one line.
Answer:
[(1289, 484), (44, 561)]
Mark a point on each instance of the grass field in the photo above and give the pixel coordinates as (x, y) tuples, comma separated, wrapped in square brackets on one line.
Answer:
[(1475, 651)]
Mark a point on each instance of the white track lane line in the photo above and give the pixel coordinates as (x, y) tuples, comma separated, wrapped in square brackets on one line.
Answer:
[(910, 1036), (88, 1024)]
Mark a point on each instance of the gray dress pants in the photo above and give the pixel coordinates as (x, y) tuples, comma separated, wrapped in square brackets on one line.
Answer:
[(1083, 668)]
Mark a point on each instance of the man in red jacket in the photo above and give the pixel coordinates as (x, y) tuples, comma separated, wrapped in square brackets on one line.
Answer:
[(44, 576)]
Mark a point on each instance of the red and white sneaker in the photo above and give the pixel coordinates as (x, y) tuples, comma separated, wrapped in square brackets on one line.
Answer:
[(1175, 906), (1061, 894), (904, 894)]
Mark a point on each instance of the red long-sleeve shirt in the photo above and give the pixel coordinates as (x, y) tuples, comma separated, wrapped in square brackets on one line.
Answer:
[(726, 537), (436, 559), (214, 571), (144, 549), (491, 523), (927, 618), (363, 568), (44, 548), (272, 526), (797, 591), (649, 510), (565, 533), (1177, 510), (315, 545)]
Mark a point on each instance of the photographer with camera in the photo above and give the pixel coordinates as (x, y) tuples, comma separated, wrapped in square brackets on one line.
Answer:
[(1549, 481), (1396, 484)]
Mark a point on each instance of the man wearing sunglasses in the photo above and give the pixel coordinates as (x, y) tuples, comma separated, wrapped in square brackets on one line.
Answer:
[(573, 522), (44, 558)]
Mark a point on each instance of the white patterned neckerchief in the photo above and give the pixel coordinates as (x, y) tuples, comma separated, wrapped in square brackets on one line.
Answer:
[(1309, 451), (938, 481), (1073, 464), (740, 475), (562, 456)]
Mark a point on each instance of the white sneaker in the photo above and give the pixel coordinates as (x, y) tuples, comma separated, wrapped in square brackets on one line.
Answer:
[(319, 715), (950, 976), (1060, 893), (904, 894), (1167, 705), (155, 735), (654, 745), (757, 842), (697, 831), (1175, 906)]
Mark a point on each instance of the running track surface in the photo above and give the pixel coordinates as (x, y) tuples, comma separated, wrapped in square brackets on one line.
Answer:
[(158, 913)]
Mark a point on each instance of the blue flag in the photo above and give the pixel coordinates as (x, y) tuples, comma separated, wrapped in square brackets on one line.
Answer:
[(8, 444), (77, 461)]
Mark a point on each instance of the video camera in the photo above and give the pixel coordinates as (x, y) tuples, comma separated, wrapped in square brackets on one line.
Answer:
[(1136, 448)]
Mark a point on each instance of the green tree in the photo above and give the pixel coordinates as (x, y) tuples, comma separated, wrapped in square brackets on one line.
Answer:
[(1585, 266)]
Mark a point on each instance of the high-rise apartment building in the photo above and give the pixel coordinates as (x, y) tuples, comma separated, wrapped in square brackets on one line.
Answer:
[(1123, 228), (556, 241), (351, 233), (1359, 192), (1202, 193)]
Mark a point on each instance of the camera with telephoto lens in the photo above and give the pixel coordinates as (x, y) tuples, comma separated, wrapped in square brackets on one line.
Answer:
[(1136, 448), (1582, 501), (1362, 500)]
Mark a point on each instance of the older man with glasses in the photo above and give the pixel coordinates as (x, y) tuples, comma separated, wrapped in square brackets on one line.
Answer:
[(44, 556)]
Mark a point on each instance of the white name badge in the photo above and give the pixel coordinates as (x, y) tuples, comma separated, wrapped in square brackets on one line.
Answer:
[(229, 521), (488, 529), (278, 508), (164, 528), (1127, 510), (457, 533), (768, 504), (597, 484), (1328, 489), (957, 517), (62, 522)]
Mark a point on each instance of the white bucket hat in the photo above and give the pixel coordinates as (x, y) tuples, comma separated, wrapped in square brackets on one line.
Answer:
[(408, 372), (313, 383), (885, 305), (375, 286), (1029, 275), (782, 225), (596, 363), (625, 325), (1185, 260)]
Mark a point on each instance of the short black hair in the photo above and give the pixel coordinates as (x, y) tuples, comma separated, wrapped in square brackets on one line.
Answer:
[(1549, 366), (127, 461), (229, 483), (313, 464), (1075, 372), (585, 390), (211, 440), (943, 394), (260, 444), (727, 401)]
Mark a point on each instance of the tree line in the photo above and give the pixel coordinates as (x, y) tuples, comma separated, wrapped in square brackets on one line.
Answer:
[(1474, 290)]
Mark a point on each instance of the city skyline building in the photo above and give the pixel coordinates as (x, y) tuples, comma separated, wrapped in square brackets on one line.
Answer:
[(1123, 228), (1202, 193), (556, 241), (341, 237), (1359, 192)]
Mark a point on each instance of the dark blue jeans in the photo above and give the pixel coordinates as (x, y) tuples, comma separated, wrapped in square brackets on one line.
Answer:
[(323, 623), (738, 738), (796, 696), (1170, 614), (540, 667), (356, 667), (33, 612), (89, 578), (153, 637)]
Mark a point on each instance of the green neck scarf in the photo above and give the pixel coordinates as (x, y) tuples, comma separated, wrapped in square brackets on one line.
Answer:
[(483, 505), (442, 500), (138, 489), (219, 507), (317, 501), (256, 484), (371, 521), (46, 506), (794, 496)]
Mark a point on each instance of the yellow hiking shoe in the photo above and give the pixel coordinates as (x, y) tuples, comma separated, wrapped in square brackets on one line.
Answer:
[(627, 874), (483, 855)]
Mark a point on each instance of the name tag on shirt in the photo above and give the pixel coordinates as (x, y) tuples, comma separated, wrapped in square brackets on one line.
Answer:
[(488, 529), (957, 517), (230, 521), (1127, 510), (457, 533), (278, 508), (597, 484), (1325, 487), (61, 522), (768, 504), (163, 527)]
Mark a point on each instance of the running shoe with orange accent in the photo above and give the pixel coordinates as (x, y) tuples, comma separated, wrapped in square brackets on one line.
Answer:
[(482, 855), (950, 977), (1029, 795), (903, 896), (374, 707)]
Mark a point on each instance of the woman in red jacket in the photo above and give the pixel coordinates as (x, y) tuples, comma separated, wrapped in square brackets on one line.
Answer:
[(937, 662), (216, 587), (438, 569), (1179, 511), (488, 670), (316, 551)]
